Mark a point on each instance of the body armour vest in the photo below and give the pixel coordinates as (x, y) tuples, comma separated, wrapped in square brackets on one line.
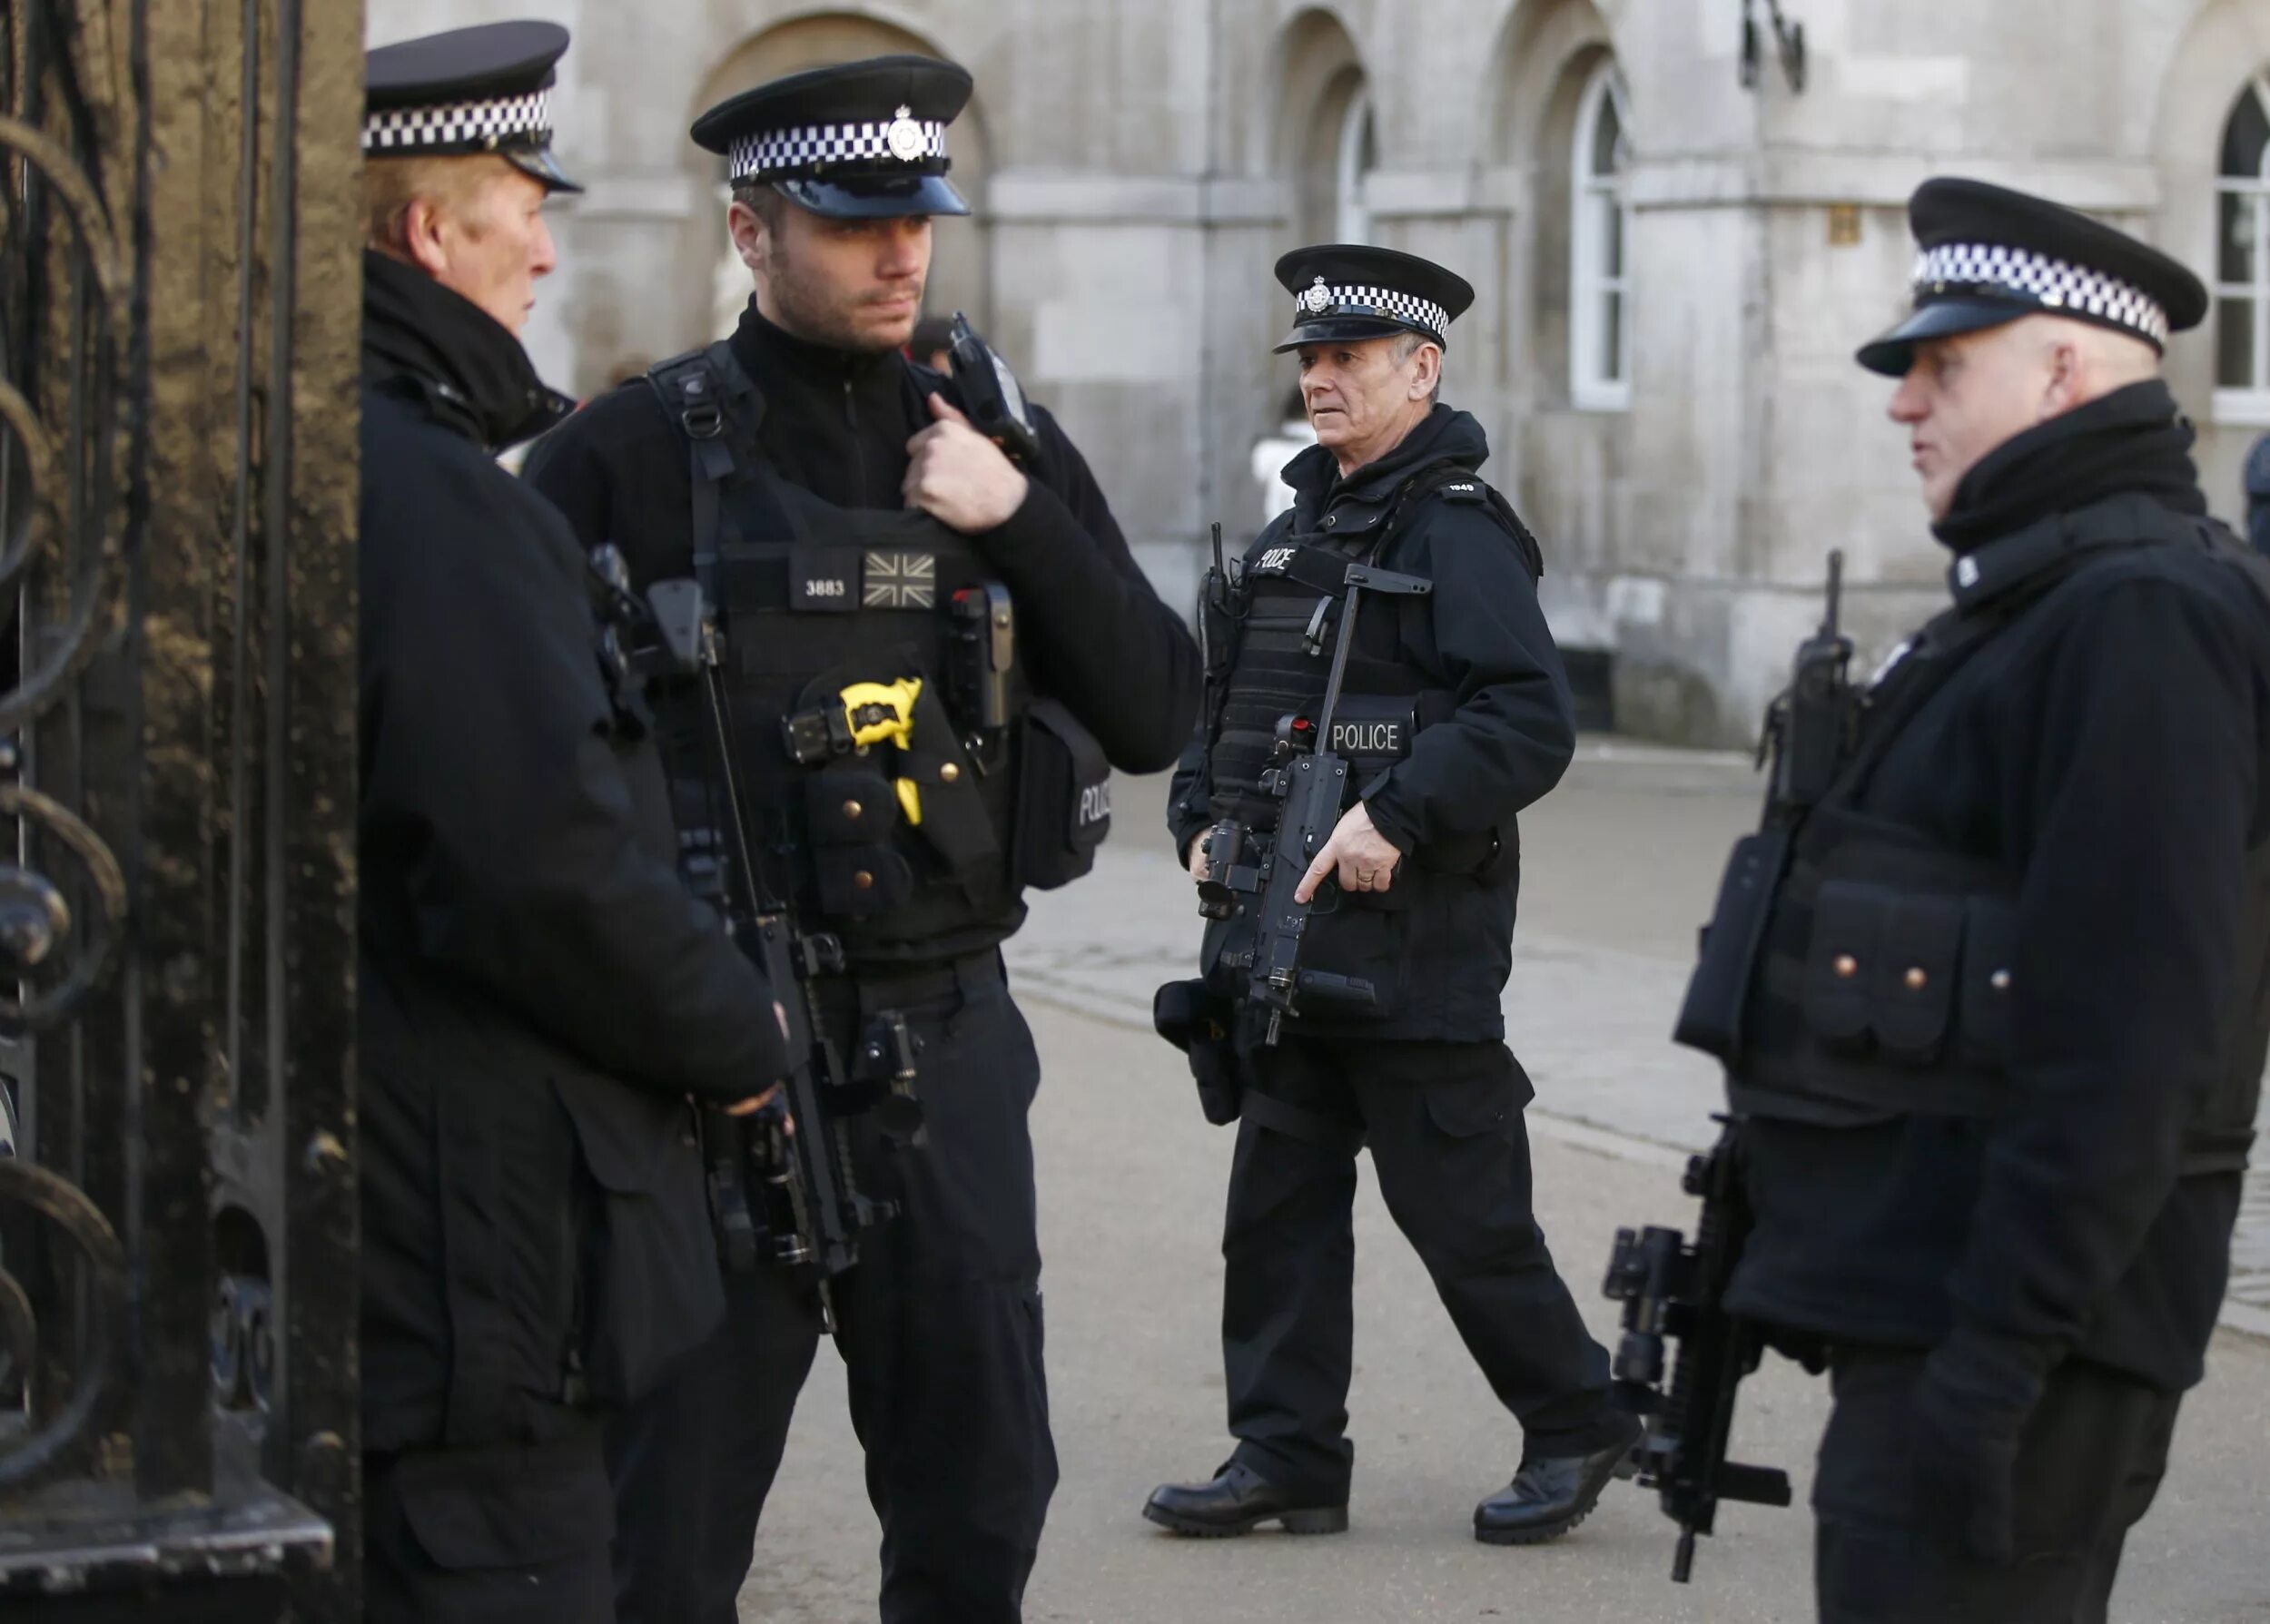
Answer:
[(1287, 607), (907, 848), (1884, 984)]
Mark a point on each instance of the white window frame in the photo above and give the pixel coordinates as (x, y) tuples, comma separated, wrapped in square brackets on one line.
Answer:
[(1595, 199), (1351, 217), (2245, 406)]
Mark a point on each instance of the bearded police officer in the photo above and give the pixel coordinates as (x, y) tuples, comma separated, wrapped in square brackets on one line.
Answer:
[(1455, 715), (539, 994), (853, 529), (1996, 1061)]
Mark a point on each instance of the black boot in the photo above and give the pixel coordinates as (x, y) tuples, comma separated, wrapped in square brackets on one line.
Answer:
[(1551, 1495), (1238, 1501)]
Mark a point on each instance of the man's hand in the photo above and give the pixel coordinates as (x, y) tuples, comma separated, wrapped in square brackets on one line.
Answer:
[(1200, 868), (761, 1102), (959, 478), (766, 1101), (1365, 858)]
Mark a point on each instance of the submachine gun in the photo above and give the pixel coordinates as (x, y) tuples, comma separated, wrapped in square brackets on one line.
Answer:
[(1669, 1289), (800, 1154), (1309, 780)]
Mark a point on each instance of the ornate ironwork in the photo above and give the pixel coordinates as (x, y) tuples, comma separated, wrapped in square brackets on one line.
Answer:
[(179, 281)]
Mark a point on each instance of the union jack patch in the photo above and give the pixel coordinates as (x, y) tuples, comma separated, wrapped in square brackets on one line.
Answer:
[(899, 581)]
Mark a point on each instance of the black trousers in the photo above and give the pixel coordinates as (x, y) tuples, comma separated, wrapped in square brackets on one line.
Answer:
[(940, 1329), (2089, 1464), (509, 1534), (1444, 1127)]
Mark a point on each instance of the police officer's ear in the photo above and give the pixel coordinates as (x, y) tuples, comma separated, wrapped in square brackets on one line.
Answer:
[(1427, 372), (753, 222)]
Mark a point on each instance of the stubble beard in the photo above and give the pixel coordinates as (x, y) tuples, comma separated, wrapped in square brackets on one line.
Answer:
[(815, 310)]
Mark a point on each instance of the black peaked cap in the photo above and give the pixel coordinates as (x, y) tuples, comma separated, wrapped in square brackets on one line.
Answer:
[(1346, 290), (466, 92), (1989, 255), (856, 140)]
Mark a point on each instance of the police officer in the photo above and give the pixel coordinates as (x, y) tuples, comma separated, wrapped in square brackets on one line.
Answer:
[(539, 994), (1455, 715), (2002, 1051), (852, 528)]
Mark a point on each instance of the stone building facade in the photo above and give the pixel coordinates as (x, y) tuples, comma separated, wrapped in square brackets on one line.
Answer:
[(1675, 258)]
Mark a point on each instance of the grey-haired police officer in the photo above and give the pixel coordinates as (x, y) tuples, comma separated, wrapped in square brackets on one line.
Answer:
[(539, 995), (845, 516), (1997, 1067), (1458, 716)]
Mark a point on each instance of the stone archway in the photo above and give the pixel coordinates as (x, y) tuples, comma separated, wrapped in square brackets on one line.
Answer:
[(961, 265), (1318, 135)]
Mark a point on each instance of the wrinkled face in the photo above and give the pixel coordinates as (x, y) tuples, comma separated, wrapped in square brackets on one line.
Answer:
[(1360, 398), (850, 284), (1964, 396), (494, 248)]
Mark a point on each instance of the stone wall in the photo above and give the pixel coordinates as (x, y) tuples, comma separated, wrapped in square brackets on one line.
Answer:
[(1138, 168)]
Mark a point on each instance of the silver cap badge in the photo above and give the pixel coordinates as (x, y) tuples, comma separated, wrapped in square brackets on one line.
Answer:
[(904, 137)]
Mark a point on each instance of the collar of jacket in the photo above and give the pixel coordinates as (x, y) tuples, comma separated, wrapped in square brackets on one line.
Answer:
[(769, 351), (426, 343), (1355, 505)]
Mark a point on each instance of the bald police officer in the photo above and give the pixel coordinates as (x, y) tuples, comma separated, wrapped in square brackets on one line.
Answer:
[(1455, 715), (1997, 1065), (538, 996), (852, 528)]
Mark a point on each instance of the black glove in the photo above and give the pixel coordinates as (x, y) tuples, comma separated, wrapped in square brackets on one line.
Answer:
[(1971, 1408)]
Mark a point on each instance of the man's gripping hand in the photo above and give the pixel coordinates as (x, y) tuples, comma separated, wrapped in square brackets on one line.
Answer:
[(959, 478), (1365, 858)]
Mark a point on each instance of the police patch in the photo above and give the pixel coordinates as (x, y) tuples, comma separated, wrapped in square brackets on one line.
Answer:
[(823, 579), (897, 580)]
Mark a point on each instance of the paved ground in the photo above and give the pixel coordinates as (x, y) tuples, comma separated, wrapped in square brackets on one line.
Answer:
[(1620, 865)]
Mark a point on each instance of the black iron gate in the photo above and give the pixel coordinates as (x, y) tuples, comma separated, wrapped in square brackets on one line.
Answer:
[(178, 317)]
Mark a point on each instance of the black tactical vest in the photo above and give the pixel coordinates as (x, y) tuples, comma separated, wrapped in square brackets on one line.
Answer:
[(1884, 983), (1289, 610), (813, 599)]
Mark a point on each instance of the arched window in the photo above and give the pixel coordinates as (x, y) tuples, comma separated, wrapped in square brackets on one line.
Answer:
[(1599, 315), (2242, 256), (1359, 156)]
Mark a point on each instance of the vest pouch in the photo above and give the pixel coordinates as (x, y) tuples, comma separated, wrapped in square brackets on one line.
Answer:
[(1990, 934), (955, 824), (850, 814), (1881, 971), (1848, 925), (1915, 977), (1063, 798)]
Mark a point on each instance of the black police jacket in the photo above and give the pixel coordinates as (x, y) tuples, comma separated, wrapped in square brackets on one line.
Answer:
[(1438, 944), (1097, 636), (2091, 783), (539, 994)]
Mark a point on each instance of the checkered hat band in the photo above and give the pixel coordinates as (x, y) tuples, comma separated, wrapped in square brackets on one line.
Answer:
[(787, 151), (1372, 301), (2053, 284), (520, 120)]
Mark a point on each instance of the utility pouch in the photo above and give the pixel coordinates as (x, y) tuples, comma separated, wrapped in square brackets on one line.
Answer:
[(851, 813), (1198, 1022), (1710, 1019), (1063, 798)]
